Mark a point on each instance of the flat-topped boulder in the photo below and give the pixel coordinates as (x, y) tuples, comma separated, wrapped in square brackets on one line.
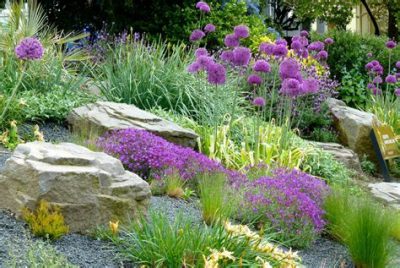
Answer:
[(342, 154), (388, 192), (354, 127), (91, 188), (103, 116)]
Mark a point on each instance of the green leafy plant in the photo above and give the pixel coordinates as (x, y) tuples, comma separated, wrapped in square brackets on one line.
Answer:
[(47, 221), (367, 166), (353, 89)]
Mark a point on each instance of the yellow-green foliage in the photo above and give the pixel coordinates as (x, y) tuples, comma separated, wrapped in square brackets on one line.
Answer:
[(395, 233), (47, 221)]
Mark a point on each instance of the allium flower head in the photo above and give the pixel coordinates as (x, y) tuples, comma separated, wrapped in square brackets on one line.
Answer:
[(194, 67), (397, 92), (259, 102), (227, 56), (203, 6), (281, 41), (390, 79), (241, 31), (377, 80), (254, 79), (201, 51), (316, 46), (216, 74), (262, 66), (371, 86), (241, 56), (267, 48), (231, 40), (196, 35), (322, 55), (328, 41), (289, 68), (280, 50), (29, 49), (390, 44), (296, 45), (310, 86), (376, 91), (398, 65), (205, 61), (304, 33), (291, 87), (369, 55), (209, 28)]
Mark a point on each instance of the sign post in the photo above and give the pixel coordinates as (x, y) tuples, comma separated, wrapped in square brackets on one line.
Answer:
[(385, 145)]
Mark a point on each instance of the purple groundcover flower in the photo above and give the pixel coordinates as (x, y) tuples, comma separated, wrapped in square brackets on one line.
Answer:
[(329, 41), (267, 48), (209, 28), (397, 92), (289, 68), (196, 35), (290, 202), (390, 79), (390, 44), (201, 51), (259, 102), (203, 6), (29, 49), (231, 40), (216, 74), (241, 56), (241, 31), (280, 50), (262, 66), (254, 79)]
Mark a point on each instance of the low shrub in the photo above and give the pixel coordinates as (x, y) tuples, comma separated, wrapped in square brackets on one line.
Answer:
[(47, 221), (289, 202), (157, 242), (362, 225)]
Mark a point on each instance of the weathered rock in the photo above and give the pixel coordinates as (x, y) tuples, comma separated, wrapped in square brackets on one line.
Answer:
[(354, 127), (102, 116), (91, 188), (342, 154), (388, 192)]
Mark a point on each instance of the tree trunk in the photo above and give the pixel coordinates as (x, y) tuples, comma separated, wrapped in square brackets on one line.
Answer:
[(372, 17), (393, 31)]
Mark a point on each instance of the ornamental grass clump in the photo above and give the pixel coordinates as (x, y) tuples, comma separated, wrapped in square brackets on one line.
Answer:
[(289, 202)]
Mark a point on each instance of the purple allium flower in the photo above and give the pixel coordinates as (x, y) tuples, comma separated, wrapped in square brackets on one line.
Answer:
[(316, 46), (397, 92), (280, 50), (262, 66), (29, 49), (194, 67), (203, 6), (390, 79), (241, 56), (241, 31), (296, 45), (369, 66), (322, 55), (398, 65), (397, 76), (289, 68), (310, 86), (304, 33), (369, 55), (216, 74), (231, 40), (209, 28), (227, 56), (267, 48), (390, 44), (376, 91), (377, 80), (371, 86), (201, 51), (254, 79), (291, 87), (196, 35), (328, 41), (259, 102), (205, 61), (281, 41)]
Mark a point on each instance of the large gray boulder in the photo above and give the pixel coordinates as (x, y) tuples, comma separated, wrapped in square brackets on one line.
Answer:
[(354, 127), (91, 188), (102, 116), (388, 192), (341, 154)]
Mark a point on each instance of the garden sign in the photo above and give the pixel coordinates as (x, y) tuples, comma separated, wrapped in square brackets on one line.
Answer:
[(386, 146)]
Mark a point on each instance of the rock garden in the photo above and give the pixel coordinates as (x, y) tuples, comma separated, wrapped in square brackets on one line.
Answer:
[(235, 146)]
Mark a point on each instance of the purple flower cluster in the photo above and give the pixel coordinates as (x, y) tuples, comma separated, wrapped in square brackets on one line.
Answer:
[(203, 6), (29, 49), (199, 34), (151, 156), (289, 201)]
